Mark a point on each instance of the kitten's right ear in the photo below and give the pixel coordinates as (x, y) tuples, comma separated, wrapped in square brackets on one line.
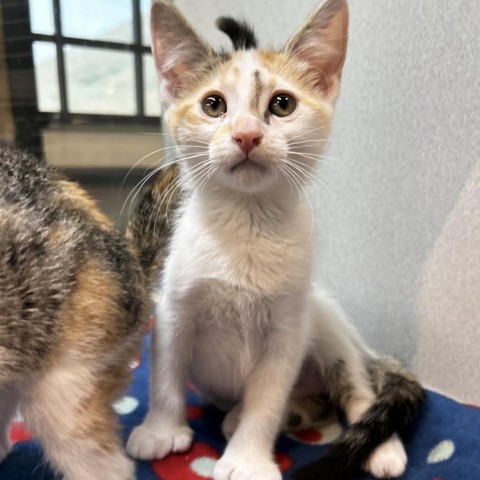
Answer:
[(321, 43), (177, 49)]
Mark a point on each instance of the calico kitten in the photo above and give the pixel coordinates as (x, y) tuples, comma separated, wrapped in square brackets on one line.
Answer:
[(239, 315), (73, 310)]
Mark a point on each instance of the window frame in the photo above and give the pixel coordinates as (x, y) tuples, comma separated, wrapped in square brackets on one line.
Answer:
[(136, 47), (18, 40)]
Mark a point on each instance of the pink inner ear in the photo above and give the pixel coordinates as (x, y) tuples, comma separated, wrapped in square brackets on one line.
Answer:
[(322, 43), (176, 77)]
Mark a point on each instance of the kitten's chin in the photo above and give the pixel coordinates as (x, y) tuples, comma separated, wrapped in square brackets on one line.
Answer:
[(248, 176)]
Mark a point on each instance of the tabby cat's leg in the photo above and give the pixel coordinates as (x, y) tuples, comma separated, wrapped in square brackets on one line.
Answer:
[(69, 410), (9, 399)]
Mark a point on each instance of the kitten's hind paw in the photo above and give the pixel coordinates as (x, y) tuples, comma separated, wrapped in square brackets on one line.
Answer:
[(148, 444), (388, 460)]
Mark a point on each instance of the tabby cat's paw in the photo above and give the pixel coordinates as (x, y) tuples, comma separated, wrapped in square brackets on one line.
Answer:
[(388, 460), (245, 468), (146, 443)]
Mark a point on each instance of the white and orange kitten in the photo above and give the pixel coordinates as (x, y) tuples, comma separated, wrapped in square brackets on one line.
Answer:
[(239, 316)]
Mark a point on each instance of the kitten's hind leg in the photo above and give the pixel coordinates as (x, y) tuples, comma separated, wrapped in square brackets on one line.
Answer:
[(343, 358), (70, 411), (9, 398)]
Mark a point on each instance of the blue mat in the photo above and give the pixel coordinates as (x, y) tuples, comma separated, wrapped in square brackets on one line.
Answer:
[(444, 443)]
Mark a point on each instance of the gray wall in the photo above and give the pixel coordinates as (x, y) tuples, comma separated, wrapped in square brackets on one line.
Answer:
[(400, 229)]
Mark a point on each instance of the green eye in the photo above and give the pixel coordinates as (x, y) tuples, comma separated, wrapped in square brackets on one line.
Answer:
[(214, 106), (282, 105)]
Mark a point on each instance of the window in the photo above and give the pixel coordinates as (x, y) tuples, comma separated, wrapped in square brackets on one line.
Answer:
[(92, 59)]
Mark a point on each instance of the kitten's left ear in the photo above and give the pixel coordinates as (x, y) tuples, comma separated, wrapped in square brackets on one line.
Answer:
[(177, 49), (321, 43)]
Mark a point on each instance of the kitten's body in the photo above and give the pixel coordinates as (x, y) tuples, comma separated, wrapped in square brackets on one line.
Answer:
[(239, 315), (73, 310)]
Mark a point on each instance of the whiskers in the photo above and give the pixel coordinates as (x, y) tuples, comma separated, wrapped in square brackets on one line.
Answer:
[(301, 166), (195, 176)]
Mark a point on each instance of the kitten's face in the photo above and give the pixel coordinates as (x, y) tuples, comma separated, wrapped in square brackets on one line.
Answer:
[(251, 120), (254, 123)]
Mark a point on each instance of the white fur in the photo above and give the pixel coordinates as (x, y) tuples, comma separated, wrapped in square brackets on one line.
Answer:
[(239, 314), (388, 460)]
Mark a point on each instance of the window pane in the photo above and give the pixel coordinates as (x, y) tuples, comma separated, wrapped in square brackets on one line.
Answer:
[(109, 20), (100, 81), (46, 76), (150, 88), (41, 16), (145, 19)]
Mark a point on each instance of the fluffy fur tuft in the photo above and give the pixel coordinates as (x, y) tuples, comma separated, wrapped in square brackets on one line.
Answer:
[(240, 33)]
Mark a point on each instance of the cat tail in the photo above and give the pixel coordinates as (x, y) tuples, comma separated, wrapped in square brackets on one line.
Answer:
[(399, 398), (152, 224)]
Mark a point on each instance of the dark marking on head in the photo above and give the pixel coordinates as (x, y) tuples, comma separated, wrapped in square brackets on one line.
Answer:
[(240, 33), (256, 91)]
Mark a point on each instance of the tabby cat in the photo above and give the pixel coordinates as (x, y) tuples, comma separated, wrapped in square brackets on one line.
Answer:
[(73, 310)]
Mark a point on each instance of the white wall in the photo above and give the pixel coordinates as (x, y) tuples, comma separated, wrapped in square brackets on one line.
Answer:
[(400, 229)]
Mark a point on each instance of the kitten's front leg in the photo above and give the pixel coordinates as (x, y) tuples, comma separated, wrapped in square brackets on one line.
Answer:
[(249, 451), (165, 429)]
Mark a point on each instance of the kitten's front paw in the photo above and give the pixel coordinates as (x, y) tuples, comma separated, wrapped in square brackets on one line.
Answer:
[(388, 460), (245, 468), (147, 444)]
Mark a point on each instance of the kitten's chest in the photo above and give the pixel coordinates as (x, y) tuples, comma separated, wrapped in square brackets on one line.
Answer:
[(232, 330), (245, 253)]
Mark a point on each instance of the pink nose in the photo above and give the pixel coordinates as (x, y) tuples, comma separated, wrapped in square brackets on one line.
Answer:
[(247, 134), (247, 140)]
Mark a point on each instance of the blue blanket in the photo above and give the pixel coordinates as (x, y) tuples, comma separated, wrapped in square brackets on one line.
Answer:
[(444, 443)]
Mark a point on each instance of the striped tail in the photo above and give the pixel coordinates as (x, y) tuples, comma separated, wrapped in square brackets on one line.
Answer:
[(400, 397), (150, 230)]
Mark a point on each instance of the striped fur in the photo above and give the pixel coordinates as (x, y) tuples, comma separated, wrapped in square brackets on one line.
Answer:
[(73, 311), (150, 229)]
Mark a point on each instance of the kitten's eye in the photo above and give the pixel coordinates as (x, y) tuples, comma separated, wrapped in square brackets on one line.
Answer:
[(282, 105), (214, 106)]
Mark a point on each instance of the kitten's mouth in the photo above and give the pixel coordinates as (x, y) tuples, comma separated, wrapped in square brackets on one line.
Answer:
[(247, 164)]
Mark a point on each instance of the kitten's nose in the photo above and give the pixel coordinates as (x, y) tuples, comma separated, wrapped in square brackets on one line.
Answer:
[(247, 134)]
